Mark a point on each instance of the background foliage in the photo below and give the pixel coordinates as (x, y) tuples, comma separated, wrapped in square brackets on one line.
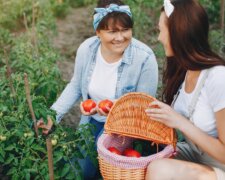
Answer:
[(26, 31)]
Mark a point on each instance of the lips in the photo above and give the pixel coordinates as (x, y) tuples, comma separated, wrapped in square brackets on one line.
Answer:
[(118, 44)]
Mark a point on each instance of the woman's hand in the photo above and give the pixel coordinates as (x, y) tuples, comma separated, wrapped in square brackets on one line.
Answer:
[(92, 112), (163, 113), (101, 112), (46, 128), (104, 111)]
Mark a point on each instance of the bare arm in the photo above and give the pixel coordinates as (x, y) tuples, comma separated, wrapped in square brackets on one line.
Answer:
[(214, 147)]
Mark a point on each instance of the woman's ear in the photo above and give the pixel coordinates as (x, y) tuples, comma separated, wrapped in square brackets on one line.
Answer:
[(97, 33)]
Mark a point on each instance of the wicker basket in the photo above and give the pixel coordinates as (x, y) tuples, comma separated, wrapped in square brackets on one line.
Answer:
[(126, 121)]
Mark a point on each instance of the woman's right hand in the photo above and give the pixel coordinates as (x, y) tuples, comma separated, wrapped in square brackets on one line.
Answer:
[(165, 114), (92, 112)]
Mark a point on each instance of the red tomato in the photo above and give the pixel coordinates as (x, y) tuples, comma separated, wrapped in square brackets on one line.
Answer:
[(105, 103), (88, 105), (131, 153), (114, 150)]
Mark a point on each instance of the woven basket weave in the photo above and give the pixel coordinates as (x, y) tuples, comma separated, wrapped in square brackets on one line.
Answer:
[(127, 118), (117, 167)]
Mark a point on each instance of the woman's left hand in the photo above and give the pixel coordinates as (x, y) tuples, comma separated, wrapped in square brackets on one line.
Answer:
[(165, 114), (101, 112)]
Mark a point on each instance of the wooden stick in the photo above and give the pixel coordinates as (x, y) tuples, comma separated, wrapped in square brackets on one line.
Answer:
[(50, 158), (8, 74), (30, 103), (25, 21), (33, 26)]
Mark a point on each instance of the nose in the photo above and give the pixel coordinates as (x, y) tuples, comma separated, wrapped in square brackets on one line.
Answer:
[(119, 36), (158, 38)]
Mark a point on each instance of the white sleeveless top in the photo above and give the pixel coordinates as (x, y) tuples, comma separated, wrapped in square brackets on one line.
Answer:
[(210, 100)]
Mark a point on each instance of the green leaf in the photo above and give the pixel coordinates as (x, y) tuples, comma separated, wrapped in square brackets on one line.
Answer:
[(9, 159), (15, 162), (58, 156), (71, 175), (27, 175), (2, 152), (33, 170), (2, 160), (15, 177), (38, 148), (65, 170), (13, 170), (9, 148)]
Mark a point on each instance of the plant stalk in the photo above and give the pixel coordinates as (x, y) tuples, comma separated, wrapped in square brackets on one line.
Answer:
[(30, 103), (50, 158)]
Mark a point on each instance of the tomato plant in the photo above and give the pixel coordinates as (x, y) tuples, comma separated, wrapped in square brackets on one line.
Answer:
[(88, 105), (22, 154), (104, 104)]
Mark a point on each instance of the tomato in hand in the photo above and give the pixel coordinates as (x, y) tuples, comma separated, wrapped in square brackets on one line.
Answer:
[(131, 153), (88, 105), (105, 103), (114, 150)]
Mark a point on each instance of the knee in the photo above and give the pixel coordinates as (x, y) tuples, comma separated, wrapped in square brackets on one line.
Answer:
[(204, 174), (157, 169)]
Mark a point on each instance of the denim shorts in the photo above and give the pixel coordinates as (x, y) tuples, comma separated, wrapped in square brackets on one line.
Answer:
[(190, 152)]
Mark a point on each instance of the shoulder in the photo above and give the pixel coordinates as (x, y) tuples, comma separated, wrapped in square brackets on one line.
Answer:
[(217, 75), (141, 48), (214, 86), (85, 45)]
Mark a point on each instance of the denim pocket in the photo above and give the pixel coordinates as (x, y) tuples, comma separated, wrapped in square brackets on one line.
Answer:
[(128, 89), (194, 147)]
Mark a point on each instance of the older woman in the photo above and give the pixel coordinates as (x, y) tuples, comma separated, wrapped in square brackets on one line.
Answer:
[(109, 65)]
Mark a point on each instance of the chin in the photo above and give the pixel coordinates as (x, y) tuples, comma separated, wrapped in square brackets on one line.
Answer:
[(119, 49), (169, 54)]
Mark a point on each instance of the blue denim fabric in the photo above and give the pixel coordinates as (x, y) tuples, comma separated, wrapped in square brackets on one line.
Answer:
[(138, 72)]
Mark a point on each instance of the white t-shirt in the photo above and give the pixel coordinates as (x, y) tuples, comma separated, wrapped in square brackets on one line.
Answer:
[(103, 81), (211, 100)]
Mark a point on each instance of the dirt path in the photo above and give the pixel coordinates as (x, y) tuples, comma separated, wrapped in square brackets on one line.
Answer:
[(72, 31)]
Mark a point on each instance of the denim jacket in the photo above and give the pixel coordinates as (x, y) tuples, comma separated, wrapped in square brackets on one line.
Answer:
[(138, 72)]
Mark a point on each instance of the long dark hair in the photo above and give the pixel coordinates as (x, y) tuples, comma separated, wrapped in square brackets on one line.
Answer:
[(117, 17), (188, 29)]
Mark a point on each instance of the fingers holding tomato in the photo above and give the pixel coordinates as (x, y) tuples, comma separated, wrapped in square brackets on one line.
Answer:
[(101, 112), (104, 106), (88, 107)]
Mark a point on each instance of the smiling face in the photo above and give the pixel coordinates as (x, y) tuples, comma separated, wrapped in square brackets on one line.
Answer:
[(164, 36), (115, 39)]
